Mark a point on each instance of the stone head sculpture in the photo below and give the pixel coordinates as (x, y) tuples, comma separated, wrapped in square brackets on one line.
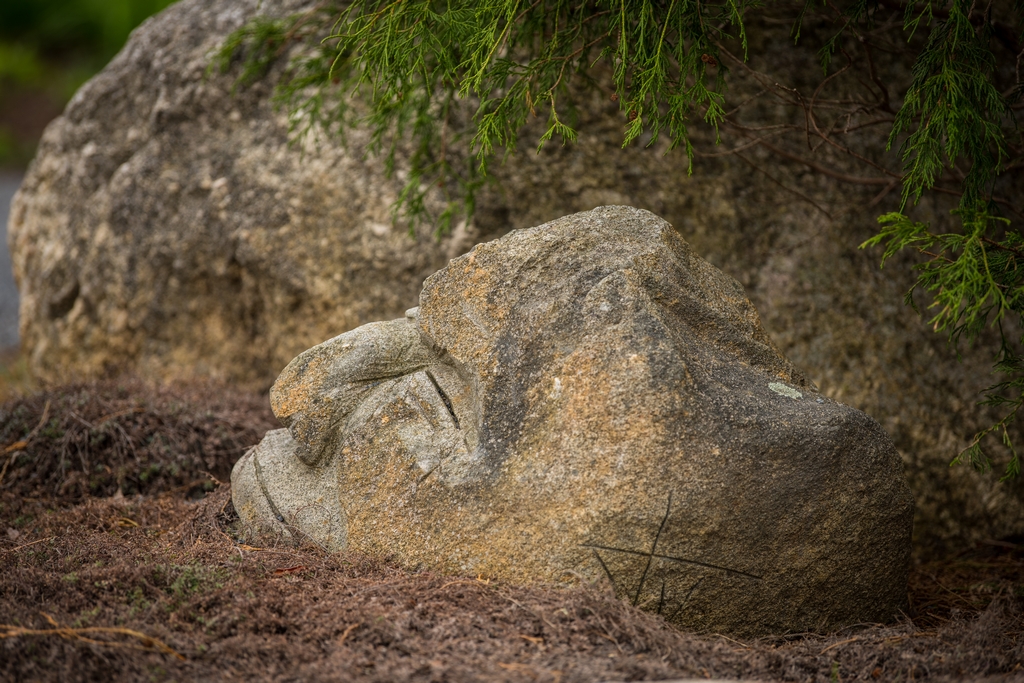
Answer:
[(589, 399)]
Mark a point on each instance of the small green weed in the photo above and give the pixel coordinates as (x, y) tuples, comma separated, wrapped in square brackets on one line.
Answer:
[(85, 618), (189, 581), (137, 602), (149, 472)]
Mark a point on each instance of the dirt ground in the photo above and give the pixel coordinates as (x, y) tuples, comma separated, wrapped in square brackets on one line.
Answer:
[(119, 561)]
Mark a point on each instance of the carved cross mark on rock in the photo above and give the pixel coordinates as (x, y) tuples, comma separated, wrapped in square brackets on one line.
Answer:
[(652, 555)]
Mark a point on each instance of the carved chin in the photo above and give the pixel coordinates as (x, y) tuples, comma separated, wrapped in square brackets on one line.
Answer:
[(276, 493)]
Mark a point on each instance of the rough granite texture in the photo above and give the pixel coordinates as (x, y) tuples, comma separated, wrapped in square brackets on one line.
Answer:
[(167, 228), (589, 399)]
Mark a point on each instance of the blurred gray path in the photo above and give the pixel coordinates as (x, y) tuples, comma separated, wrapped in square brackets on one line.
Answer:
[(9, 183)]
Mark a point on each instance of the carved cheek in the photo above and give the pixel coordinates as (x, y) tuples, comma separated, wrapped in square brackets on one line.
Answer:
[(414, 428), (426, 423)]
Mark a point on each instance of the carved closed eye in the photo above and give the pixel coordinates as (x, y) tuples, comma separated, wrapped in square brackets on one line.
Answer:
[(444, 398)]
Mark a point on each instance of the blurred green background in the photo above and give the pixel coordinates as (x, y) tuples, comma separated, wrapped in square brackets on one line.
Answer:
[(48, 48)]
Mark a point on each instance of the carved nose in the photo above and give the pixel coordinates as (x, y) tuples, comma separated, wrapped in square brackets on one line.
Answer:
[(320, 388)]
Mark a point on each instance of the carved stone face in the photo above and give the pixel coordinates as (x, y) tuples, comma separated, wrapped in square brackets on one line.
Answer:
[(590, 400), (350, 385)]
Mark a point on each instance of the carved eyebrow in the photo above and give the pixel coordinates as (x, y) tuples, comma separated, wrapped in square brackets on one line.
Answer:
[(371, 362), (444, 397), (376, 377)]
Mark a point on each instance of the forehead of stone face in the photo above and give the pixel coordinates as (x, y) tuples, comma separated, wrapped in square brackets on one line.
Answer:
[(514, 304)]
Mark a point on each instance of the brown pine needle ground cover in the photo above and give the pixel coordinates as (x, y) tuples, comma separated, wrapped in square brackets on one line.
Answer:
[(118, 561)]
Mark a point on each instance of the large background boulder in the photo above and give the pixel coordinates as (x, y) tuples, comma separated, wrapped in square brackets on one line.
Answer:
[(167, 227)]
